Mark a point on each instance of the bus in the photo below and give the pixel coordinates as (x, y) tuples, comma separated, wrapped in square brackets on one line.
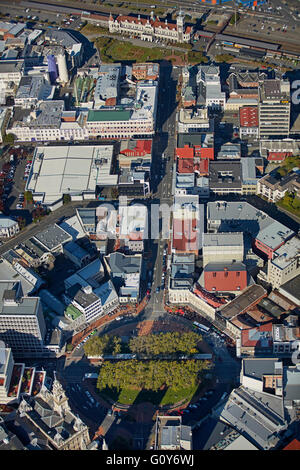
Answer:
[(201, 327)]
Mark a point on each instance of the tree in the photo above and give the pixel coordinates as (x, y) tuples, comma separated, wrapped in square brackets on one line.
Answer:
[(114, 193), (96, 345), (28, 197), (66, 198), (22, 222), (9, 139)]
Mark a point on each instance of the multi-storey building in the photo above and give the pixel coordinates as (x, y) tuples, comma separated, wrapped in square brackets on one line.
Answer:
[(222, 247), (274, 108), (11, 71), (209, 85), (274, 189), (8, 227), (22, 324), (285, 264), (267, 234), (248, 121)]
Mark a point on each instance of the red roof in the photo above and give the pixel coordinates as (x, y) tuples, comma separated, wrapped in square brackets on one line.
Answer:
[(97, 17), (225, 280), (131, 19), (207, 153), (144, 145), (202, 167), (279, 155), (293, 445), (163, 25), (142, 148), (185, 165), (256, 335), (249, 116), (185, 235), (185, 152)]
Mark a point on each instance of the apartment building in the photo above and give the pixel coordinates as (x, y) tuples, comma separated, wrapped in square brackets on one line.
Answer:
[(274, 108), (274, 189)]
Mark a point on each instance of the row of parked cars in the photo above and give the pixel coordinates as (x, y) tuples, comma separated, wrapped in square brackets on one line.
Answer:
[(85, 339), (6, 181), (27, 169), (20, 203)]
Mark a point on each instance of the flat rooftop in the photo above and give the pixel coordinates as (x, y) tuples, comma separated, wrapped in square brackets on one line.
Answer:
[(250, 296), (223, 239), (68, 170), (287, 253), (242, 216), (52, 237)]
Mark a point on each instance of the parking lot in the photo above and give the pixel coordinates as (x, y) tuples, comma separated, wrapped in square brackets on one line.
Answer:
[(15, 169)]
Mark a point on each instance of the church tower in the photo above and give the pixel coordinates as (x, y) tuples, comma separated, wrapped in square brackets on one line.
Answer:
[(180, 26)]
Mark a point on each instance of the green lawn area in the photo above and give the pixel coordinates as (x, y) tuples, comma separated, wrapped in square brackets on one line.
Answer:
[(288, 164), (112, 50), (294, 209), (170, 396)]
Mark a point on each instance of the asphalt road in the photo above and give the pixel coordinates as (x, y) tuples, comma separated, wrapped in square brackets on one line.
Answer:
[(162, 174)]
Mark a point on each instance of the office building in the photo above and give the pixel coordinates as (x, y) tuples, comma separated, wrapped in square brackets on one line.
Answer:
[(274, 108), (22, 324)]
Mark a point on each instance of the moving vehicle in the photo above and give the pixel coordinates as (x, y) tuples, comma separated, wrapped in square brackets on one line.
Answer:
[(200, 326)]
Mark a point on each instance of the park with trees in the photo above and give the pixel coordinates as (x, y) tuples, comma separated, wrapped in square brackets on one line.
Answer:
[(163, 372)]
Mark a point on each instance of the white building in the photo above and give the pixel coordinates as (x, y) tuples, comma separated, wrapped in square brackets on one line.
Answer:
[(138, 119), (209, 77), (191, 121), (72, 170), (32, 90), (150, 29), (11, 71), (85, 291), (8, 227), (274, 108)]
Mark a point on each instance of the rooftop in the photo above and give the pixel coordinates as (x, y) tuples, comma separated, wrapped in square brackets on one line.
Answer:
[(69, 170), (52, 237), (241, 216), (287, 253), (223, 239), (242, 302)]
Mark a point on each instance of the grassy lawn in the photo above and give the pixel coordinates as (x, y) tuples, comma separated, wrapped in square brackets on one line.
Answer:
[(288, 164), (294, 209), (112, 50), (170, 396)]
